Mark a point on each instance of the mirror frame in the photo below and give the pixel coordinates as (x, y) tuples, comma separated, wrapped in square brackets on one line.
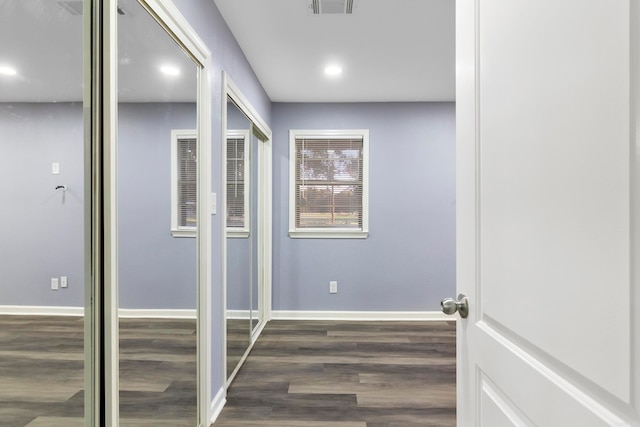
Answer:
[(101, 60), (264, 188)]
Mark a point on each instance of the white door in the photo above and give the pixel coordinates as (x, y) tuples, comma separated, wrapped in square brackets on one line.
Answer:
[(546, 182)]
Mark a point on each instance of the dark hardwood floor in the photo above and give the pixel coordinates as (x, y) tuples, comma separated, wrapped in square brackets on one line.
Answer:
[(238, 340), (42, 379), (346, 374), (299, 374)]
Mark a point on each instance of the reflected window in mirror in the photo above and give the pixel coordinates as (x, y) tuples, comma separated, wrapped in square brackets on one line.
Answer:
[(184, 173), (238, 182)]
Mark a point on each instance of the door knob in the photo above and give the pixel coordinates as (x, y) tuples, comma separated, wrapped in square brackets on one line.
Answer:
[(450, 306)]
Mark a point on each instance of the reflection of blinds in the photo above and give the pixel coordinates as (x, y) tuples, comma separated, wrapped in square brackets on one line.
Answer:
[(329, 183), (187, 182), (235, 182)]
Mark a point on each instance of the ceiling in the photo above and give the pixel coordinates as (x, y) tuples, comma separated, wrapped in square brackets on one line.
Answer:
[(390, 50), (42, 41)]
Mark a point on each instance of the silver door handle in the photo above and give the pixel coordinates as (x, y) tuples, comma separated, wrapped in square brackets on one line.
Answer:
[(450, 306)]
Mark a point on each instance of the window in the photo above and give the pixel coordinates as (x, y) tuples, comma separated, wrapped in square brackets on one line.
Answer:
[(184, 179), (238, 148), (329, 180)]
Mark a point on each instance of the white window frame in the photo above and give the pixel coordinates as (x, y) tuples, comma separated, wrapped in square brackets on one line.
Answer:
[(329, 233), (244, 231), (177, 134)]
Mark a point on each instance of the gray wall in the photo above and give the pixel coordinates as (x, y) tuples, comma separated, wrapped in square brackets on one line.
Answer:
[(408, 261), (42, 232), (157, 270), (205, 18)]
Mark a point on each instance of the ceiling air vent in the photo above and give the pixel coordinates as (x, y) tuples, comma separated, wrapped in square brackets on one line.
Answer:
[(324, 7)]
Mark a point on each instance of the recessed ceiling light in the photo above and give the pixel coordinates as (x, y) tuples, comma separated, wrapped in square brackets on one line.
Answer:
[(333, 70), (170, 70), (7, 71)]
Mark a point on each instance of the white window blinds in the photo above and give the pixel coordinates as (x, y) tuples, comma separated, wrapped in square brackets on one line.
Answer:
[(236, 182), (187, 182), (329, 183)]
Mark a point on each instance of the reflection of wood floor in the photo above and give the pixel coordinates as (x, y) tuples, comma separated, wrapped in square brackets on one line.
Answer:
[(346, 374), (41, 372), (237, 342)]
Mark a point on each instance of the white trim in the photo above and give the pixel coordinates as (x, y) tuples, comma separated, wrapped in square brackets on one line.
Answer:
[(183, 233), (329, 233), (241, 101), (360, 315), (239, 314), (217, 404), (176, 134), (31, 310), (128, 313), (255, 334), (233, 234)]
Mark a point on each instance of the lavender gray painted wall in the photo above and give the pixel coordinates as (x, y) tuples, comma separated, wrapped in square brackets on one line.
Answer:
[(42, 232), (156, 270), (408, 261), (206, 20)]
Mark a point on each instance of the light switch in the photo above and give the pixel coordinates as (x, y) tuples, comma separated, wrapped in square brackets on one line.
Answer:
[(213, 203), (55, 168)]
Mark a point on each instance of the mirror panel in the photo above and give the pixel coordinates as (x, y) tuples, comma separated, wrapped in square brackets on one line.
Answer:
[(41, 215), (157, 201), (255, 226), (239, 235)]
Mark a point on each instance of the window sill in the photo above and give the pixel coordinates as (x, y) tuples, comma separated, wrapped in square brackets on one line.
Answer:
[(237, 234), (183, 233), (328, 234)]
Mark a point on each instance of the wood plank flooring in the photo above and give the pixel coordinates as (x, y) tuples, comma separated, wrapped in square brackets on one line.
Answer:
[(346, 374), (42, 379)]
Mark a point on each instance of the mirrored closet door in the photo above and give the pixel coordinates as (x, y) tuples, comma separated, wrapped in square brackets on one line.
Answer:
[(157, 214), (247, 194), (239, 235), (42, 214)]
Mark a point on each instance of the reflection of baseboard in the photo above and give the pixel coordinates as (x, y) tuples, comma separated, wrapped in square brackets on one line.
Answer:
[(238, 314), (27, 310), (359, 315), (157, 314), (217, 404), (30, 310)]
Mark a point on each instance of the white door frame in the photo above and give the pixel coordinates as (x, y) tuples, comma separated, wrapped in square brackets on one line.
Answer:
[(169, 17)]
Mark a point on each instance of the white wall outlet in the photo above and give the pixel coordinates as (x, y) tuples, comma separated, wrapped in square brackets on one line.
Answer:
[(63, 282), (333, 287), (55, 168), (54, 283)]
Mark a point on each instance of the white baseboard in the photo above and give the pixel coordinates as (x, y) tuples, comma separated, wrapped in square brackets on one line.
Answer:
[(238, 314), (360, 315), (30, 310), (129, 313), (217, 404)]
